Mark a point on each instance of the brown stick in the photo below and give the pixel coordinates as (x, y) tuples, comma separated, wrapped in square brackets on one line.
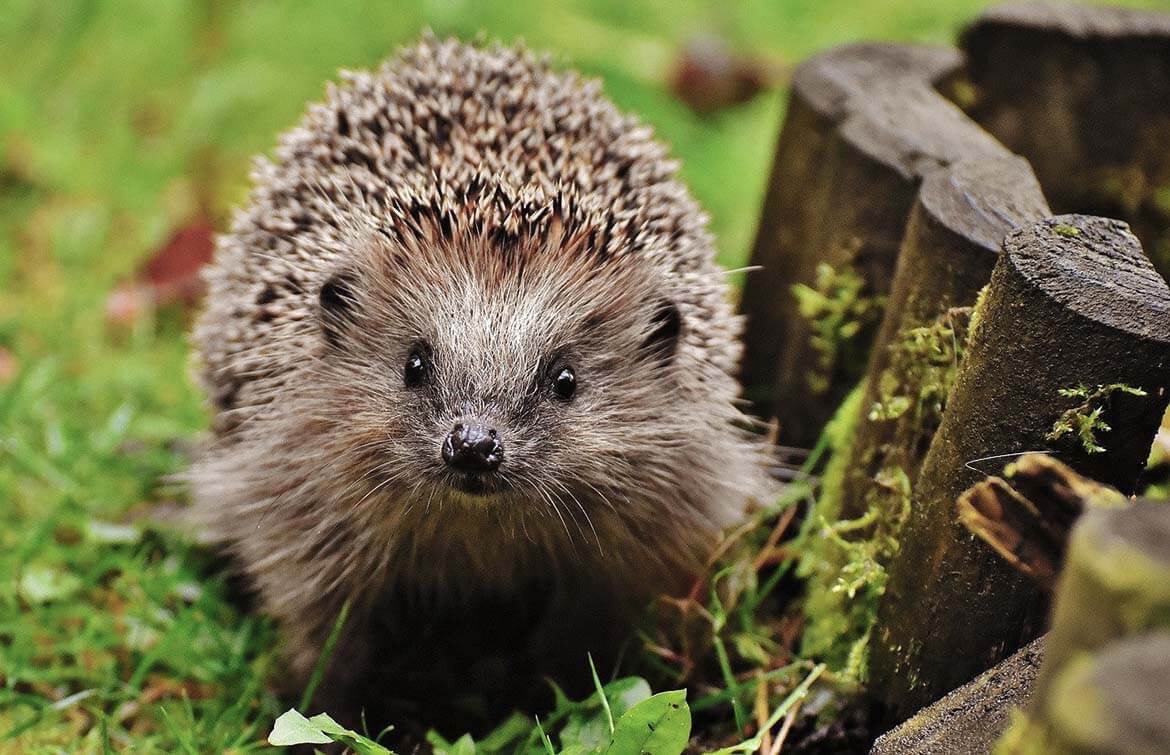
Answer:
[(1071, 301), (864, 125)]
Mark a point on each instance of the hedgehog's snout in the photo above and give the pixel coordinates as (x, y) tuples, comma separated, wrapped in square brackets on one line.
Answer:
[(473, 449)]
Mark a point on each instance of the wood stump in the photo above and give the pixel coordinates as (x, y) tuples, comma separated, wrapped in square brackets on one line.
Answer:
[(952, 242), (969, 720), (1104, 685)]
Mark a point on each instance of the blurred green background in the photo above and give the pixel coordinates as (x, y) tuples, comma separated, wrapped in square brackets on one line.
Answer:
[(124, 121)]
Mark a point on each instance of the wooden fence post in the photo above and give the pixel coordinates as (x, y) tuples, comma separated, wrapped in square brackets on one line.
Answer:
[(864, 124), (1083, 92), (1105, 681), (1071, 339), (952, 242)]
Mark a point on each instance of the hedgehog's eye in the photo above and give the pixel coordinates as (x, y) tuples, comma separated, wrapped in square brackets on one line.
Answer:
[(417, 369), (564, 383)]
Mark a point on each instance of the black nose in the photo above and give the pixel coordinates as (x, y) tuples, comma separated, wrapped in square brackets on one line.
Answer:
[(473, 449)]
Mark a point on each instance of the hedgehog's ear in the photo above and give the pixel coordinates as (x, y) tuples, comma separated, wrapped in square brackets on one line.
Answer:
[(337, 305), (665, 331)]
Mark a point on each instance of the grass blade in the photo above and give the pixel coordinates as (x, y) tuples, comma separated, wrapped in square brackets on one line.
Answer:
[(326, 655)]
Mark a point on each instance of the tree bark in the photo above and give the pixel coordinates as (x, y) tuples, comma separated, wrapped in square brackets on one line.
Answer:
[(1073, 305)]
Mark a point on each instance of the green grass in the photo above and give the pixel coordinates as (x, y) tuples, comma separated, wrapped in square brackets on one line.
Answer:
[(118, 121)]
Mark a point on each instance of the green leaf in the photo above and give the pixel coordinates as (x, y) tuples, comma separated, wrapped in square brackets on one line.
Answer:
[(465, 745), (544, 738), (294, 729), (359, 744), (659, 725), (587, 728), (582, 733), (625, 693), (601, 694)]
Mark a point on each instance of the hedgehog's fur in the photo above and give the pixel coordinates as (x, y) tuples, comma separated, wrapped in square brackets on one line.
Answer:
[(510, 216)]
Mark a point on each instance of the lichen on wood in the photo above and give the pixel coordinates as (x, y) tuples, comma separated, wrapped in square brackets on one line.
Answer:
[(1111, 702)]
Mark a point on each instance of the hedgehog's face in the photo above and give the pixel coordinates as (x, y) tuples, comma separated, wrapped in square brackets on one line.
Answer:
[(545, 387)]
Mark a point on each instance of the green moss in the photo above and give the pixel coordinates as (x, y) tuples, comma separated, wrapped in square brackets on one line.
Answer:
[(1084, 421), (829, 617), (838, 311), (977, 311), (846, 566), (841, 431), (1104, 571), (1161, 199), (1076, 714), (846, 576), (1023, 737), (1068, 231), (923, 365)]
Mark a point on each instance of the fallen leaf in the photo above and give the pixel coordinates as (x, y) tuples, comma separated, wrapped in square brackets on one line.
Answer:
[(169, 277), (709, 76)]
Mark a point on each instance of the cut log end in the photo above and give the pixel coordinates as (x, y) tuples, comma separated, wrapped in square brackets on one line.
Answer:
[(1095, 267)]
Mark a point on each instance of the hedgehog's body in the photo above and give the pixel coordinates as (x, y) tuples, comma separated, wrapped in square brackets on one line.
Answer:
[(467, 338)]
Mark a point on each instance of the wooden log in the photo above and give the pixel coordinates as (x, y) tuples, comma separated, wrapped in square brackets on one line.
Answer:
[(1098, 694), (1098, 691), (1114, 702), (864, 124), (952, 241), (969, 720), (1072, 305), (1116, 583), (1084, 93)]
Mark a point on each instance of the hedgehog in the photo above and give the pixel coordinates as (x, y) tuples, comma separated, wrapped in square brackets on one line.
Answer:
[(467, 344)]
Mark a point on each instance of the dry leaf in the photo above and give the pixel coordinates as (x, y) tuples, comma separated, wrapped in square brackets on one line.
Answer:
[(171, 276)]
